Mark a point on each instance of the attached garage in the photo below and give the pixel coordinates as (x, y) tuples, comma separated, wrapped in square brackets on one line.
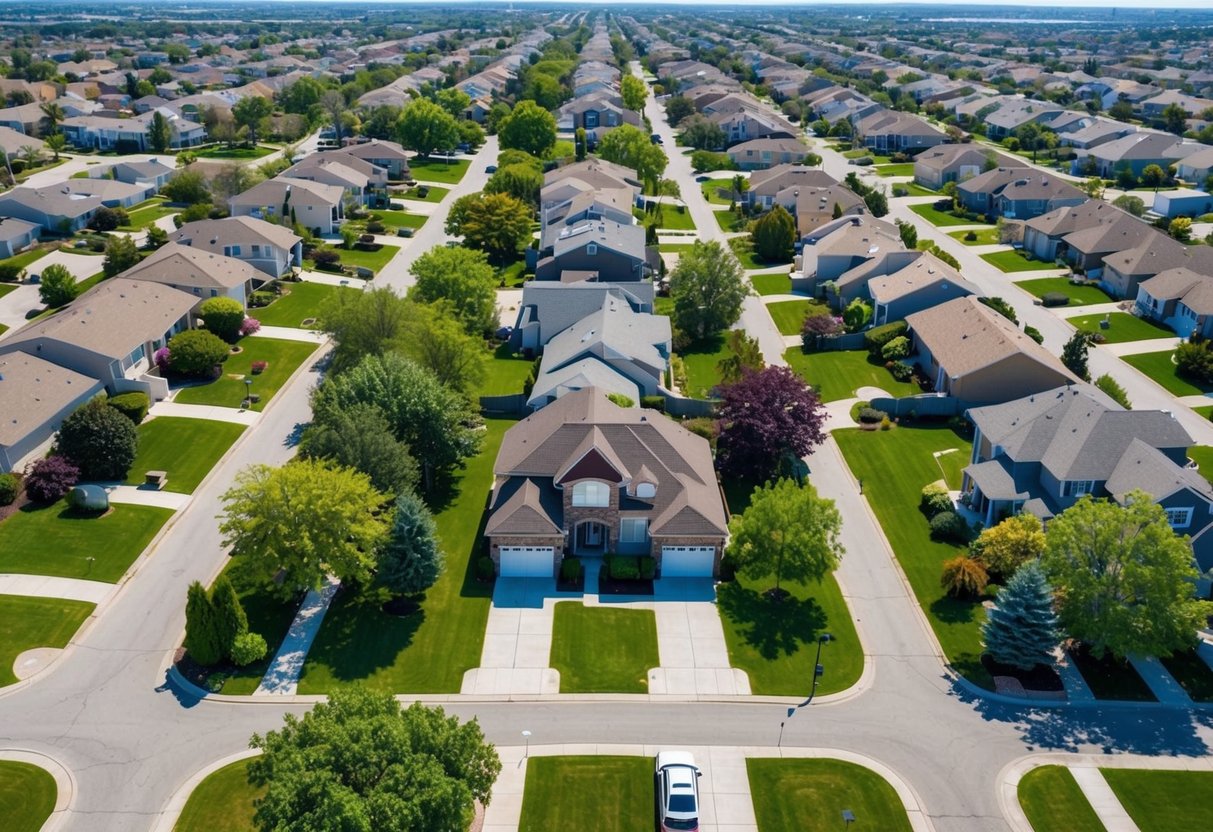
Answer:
[(526, 561), (687, 561)]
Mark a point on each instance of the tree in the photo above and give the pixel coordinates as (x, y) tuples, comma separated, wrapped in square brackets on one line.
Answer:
[(202, 636), (1114, 391), (497, 224), (528, 127), (108, 219), (453, 100), (301, 96), (1093, 187), (52, 115), (359, 437), (630, 146), (520, 181), (768, 418), (634, 91), (120, 254), (909, 234), (364, 323), (1004, 548), (744, 354), (58, 286), (160, 133), (297, 524), (187, 187), (774, 235), (1021, 628), (47, 480), (1175, 119), (99, 440), (411, 560), (333, 104), (223, 316), (788, 531), (707, 289), (677, 108), (56, 142), (818, 327), (1152, 176), (1074, 354), (436, 340), (1124, 579), (963, 576), (1181, 229), (579, 144), (1135, 205), (251, 112), (425, 127), (1195, 361), (437, 423), (361, 762), (230, 618), (701, 134), (856, 315), (877, 202)]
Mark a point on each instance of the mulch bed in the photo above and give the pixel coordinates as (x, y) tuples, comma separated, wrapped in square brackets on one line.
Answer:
[(612, 586), (1042, 677), (21, 502), (196, 673), (571, 586)]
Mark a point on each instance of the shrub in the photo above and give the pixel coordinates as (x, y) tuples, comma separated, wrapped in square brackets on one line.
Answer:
[(964, 577), (885, 424), (326, 258), (367, 239), (1114, 391), (1034, 333), (948, 526), (375, 227), (107, 219), (58, 286), (870, 415), (935, 499), (570, 570), (653, 402), (702, 426), (161, 358), (10, 486), (48, 480), (1055, 299), (623, 568), (970, 236), (899, 347), (9, 272), (248, 648), (648, 567), (196, 352), (132, 405), (99, 440), (621, 400), (1001, 307), (857, 408), (876, 337), (260, 298), (1195, 361), (900, 190), (258, 367), (250, 326), (900, 370), (484, 569), (222, 316)]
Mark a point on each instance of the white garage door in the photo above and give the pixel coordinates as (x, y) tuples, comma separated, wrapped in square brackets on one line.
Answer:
[(526, 561), (687, 561)]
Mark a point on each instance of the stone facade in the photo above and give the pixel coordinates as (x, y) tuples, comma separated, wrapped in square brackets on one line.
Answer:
[(715, 542), (555, 541)]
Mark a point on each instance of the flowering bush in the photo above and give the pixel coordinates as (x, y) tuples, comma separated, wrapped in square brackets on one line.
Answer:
[(259, 367), (47, 480), (250, 326), (162, 358)]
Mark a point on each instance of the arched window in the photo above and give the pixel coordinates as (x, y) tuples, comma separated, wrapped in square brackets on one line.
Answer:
[(591, 494)]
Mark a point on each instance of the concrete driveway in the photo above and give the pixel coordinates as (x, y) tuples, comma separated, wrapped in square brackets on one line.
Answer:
[(18, 303)]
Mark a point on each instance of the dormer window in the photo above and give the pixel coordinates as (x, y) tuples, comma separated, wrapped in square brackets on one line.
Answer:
[(591, 494), (591, 249), (646, 490)]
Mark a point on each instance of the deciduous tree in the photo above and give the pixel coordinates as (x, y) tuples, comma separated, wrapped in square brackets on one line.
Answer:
[(1002, 549), (528, 127), (774, 235), (465, 279), (99, 440), (768, 419), (788, 531), (634, 91), (707, 289), (251, 112), (57, 286), (630, 146), (359, 437), (497, 224), (425, 127), (120, 254)]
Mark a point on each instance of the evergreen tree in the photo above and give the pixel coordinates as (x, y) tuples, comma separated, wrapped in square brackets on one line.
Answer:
[(412, 560), (202, 639), (1074, 354), (1021, 629), (230, 620)]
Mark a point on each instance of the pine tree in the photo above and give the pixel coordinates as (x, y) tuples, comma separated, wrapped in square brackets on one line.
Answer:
[(230, 620), (412, 560), (202, 639), (1021, 629)]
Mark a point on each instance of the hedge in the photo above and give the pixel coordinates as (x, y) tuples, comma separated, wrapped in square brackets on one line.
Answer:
[(876, 337), (132, 405)]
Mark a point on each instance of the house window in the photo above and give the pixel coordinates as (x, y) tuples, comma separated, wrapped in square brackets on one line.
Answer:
[(633, 529), (1076, 488), (591, 249), (591, 495), (256, 250), (231, 251), (646, 490), (1179, 518)]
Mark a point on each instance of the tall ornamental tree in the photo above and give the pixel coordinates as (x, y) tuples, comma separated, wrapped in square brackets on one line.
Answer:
[(774, 235), (359, 437), (411, 560), (1124, 579), (634, 91), (707, 289), (57, 286), (1004, 548), (631, 147), (528, 127), (160, 133), (768, 418), (203, 640), (364, 323), (1021, 629)]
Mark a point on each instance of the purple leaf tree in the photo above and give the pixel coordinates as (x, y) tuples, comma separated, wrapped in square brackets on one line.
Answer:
[(767, 417)]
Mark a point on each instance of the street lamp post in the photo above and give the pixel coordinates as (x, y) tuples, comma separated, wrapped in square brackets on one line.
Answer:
[(818, 672), (526, 738), (848, 817), (248, 391)]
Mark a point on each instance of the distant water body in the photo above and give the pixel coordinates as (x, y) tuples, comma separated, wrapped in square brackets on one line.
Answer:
[(1048, 22)]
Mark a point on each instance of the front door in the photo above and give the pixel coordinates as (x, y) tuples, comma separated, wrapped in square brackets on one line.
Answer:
[(593, 534)]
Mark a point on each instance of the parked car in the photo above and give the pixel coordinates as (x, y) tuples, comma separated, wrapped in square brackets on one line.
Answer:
[(490, 169), (677, 792), (655, 139)]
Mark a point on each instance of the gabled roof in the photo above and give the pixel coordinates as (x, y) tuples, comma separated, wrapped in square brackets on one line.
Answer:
[(1193, 290), (522, 511), (273, 192), (1143, 467), (927, 270), (178, 265), (34, 391), (213, 235), (943, 156)]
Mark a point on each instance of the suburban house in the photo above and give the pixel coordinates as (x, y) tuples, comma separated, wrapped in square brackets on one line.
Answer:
[(1135, 152), (1043, 235), (923, 284), (601, 250), (11, 142), (765, 184), (1042, 452), (17, 235), (759, 154), (583, 477), (590, 175), (1099, 131), (1179, 298), (892, 131), (839, 246), (152, 174), (596, 114), (1197, 167), (361, 180), (1016, 193), (751, 123), (978, 356), (202, 273), (314, 204), (854, 283), (1124, 271), (382, 154), (586, 207), (937, 166), (37, 396), (58, 209), (1183, 202), (550, 307), (1013, 113), (130, 134), (270, 248), (110, 333), (813, 207), (1087, 247)]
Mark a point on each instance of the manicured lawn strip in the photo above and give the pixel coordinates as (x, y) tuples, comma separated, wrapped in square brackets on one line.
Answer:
[(304, 300), (985, 237), (942, 218), (914, 189), (5, 288), (896, 169), (729, 221), (1123, 327), (434, 194), (506, 373), (772, 284), (1160, 367), (894, 466), (1193, 674), (795, 795), (789, 315), (1203, 457), (837, 374), (186, 448), (400, 219), (1053, 802), (743, 250), (1163, 801), (1204, 412), (433, 170), (268, 615), (429, 650), (603, 649), (1080, 295), (27, 796), (1015, 260), (57, 540), (670, 248), (23, 259), (711, 187), (26, 623), (1111, 679), (701, 360), (605, 794), (228, 390), (234, 152), (668, 216), (147, 212), (223, 800), (374, 260)]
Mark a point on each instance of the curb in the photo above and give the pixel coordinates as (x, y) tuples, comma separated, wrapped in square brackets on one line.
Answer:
[(65, 783), (171, 812)]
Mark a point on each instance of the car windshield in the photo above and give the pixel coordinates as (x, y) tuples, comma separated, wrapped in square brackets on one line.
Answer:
[(682, 803), (691, 824)]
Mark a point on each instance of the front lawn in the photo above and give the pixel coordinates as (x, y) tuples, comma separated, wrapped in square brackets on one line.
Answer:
[(268, 615), (429, 650), (672, 248), (942, 218), (59, 541), (1160, 367), (399, 219), (914, 189), (895, 169), (5, 288), (730, 221), (302, 301), (233, 152), (789, 315), (27, 796), (837, 374), (772, 284), (186, 448), (1017, 260), (436, 170), (1081, 294), (894, 465), (605, 794), (1193, 674), (433, 194), (984, 237), (373, 260), (25, 258), (1163, 801), (1110, 678), (793, 795), (228, 390), (1122, 327), (507, 373), (1054, 802), (743, 250), (223, 800), (603, 649), (711, 188), (669, 216), (26, 623), (146, 213), (1203, 457), (700, 360)]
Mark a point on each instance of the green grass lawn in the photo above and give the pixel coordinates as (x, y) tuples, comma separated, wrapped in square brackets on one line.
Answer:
[(1163, 801), (434, 170), (837, 374), (772, 284), (1203, 457), (228, 390), (147, 212), (668, 216), (789, 315), (506, 373), (671, 248), (985, 237), (1017, 260), (1124, 327), (1204, 412), (400, 219), (701, 359), (1053, 802), (234, 152), (514, 275), (1193, 674), (5, 288), (434, 194), (1110, 678), (27, 796), (729, 221), (663, 305), (743, 250), (24, 259), (373, 260), (59, 541), (605, 794), (268, 614), (1080, 295), (603, 649), (896, 169), (797, 795), (1160, 367), (914, 189), (26, 623), (711, 187), (302, 301), (223, 800), (186, 448), (940, 218), (894, 466), (429, 650)]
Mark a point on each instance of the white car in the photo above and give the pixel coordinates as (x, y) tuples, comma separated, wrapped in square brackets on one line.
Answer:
[(677, 792)]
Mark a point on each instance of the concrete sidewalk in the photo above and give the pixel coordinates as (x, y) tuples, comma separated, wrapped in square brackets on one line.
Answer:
[(290, 333), (1161, 683), (1102, 799), (43, 586), (1147, 345), (204, 411), (282, 677), (139, 496)]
